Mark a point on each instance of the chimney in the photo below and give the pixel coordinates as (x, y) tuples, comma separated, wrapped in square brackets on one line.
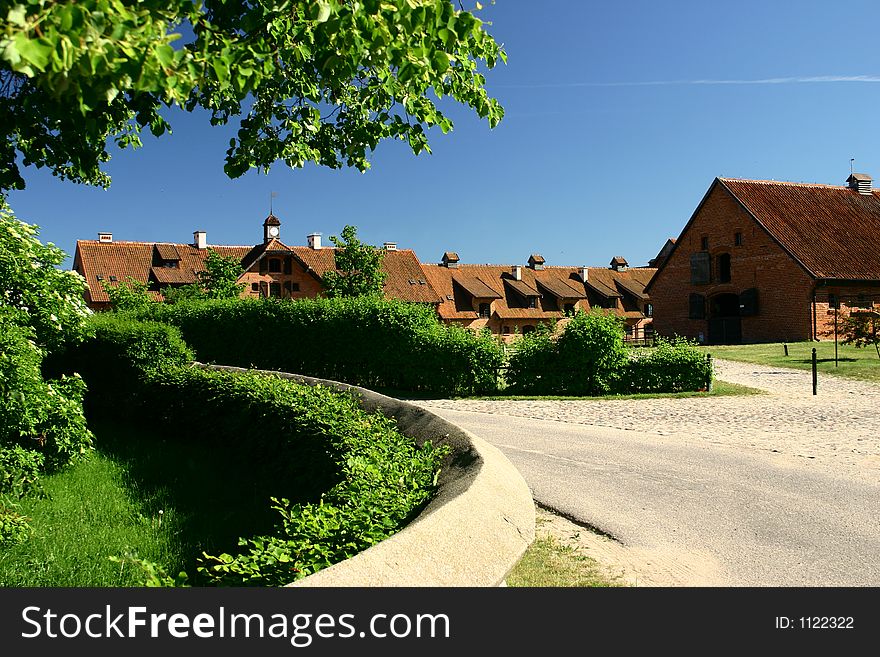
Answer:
[(106, 238), (517, 272), (391, 246), (450, 259), (584, 273), (861, 182), (314, 241), (200, 239)]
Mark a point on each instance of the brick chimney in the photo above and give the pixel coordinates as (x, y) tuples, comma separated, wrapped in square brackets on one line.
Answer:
[(200, 239)]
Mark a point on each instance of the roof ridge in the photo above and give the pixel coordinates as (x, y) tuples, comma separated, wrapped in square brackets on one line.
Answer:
[(785, 182)]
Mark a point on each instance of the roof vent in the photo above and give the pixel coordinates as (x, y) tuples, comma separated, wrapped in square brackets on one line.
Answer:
[(450, 259), (619, 263), (106, 238), (861, 182)]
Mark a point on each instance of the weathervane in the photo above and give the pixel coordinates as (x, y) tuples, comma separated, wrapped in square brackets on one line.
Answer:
[(271, 196), (851, 160)]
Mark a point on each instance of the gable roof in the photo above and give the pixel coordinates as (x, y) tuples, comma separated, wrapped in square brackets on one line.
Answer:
[(135, 259), (475, 287), (833, 231)]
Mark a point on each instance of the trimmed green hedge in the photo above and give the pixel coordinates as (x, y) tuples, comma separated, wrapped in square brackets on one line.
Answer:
[(591, 358), (352, 478), (363, 341)]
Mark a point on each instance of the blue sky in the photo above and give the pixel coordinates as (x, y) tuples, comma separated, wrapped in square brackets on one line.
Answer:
[(619, 116)]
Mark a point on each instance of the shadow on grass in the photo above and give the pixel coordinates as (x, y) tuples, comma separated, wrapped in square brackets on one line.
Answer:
[(215, 494)]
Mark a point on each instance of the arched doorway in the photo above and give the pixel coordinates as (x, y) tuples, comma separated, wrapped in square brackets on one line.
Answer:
[(725, 325)]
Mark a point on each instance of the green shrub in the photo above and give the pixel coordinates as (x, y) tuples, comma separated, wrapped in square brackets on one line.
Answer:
[(362, 341), (674, 365), (586, 359), (14, 527), (349, 478), (36, 414), (20, 470)]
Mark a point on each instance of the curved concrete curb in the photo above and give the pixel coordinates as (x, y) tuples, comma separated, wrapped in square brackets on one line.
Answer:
[(472, 533)]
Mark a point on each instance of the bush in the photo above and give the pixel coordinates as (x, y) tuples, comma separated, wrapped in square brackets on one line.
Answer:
[(351, 477), (674, 365), (361, 341), (586, 359), (14, 528), (37, 415)]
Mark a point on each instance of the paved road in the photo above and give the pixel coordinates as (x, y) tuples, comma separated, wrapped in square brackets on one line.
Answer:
[(780, 489)]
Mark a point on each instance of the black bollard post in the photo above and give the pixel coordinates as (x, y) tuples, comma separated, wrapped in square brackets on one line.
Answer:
[(785, 346), (815, 378)]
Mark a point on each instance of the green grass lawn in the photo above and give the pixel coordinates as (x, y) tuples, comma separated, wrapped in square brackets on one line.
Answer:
[(853, 362), (161, 501)]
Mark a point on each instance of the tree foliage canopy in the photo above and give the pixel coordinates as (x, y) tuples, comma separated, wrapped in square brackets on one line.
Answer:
[(320, 81), (358, 267)]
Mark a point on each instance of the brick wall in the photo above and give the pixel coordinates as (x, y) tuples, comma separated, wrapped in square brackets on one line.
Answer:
[(784, 288), (308, 286)]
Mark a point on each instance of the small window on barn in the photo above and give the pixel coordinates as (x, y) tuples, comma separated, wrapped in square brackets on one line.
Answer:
[(704, 243), (484, 309), (724, 268), (255, 287), (533, 302), (264, 264), (649, 310), (288, 265), (528, 328), (748, 302), (505, 330), (569, 309), (738, 239), (701, 268), (697, 306), (275, 265), (275, 289), (294, 287)]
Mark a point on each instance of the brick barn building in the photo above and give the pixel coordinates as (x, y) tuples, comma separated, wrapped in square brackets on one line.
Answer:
[(271, 268), (768, 261), (514, 299)]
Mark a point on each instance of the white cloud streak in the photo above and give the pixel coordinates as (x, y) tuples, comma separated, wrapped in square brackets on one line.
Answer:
[(664, 83)]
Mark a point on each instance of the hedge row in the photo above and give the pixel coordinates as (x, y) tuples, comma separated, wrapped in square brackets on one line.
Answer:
[(362, 341), (354, 478), (590, 358)]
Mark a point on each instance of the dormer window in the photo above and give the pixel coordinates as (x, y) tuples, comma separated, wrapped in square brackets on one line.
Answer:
[(485, 310)]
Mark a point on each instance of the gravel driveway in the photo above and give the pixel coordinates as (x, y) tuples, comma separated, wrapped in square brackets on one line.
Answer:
[(837, 428)]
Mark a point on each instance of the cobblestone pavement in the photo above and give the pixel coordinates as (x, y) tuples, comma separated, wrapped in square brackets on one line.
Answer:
[(838, 427)]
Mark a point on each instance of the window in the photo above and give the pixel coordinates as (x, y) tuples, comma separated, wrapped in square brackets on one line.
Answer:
[(649, 310), (275, 265), (294, 287), (748, 302), (505, 330), (697, 306), (528, 328), (701, 268), (287, 288), (569, 309), (704, 243), (288, 264), (833, 301), (724, 268), (738, 239), (533, 302), (263, 265), (611, 303), (255, 287), (264, 289), (485, 309), (275, 289)]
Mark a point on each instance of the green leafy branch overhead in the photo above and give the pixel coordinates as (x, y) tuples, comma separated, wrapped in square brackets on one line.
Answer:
[(311, 81)]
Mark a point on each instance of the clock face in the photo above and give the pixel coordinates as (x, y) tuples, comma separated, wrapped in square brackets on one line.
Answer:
[(273, 231)]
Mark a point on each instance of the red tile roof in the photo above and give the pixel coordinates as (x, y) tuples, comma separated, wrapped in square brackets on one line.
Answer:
[(833, 231), (135, 259)]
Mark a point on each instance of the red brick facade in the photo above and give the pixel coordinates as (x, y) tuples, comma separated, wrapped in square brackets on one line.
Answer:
[(757, 288)]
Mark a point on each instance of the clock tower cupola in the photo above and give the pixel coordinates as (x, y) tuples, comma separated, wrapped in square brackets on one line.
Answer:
[(271, 228)]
